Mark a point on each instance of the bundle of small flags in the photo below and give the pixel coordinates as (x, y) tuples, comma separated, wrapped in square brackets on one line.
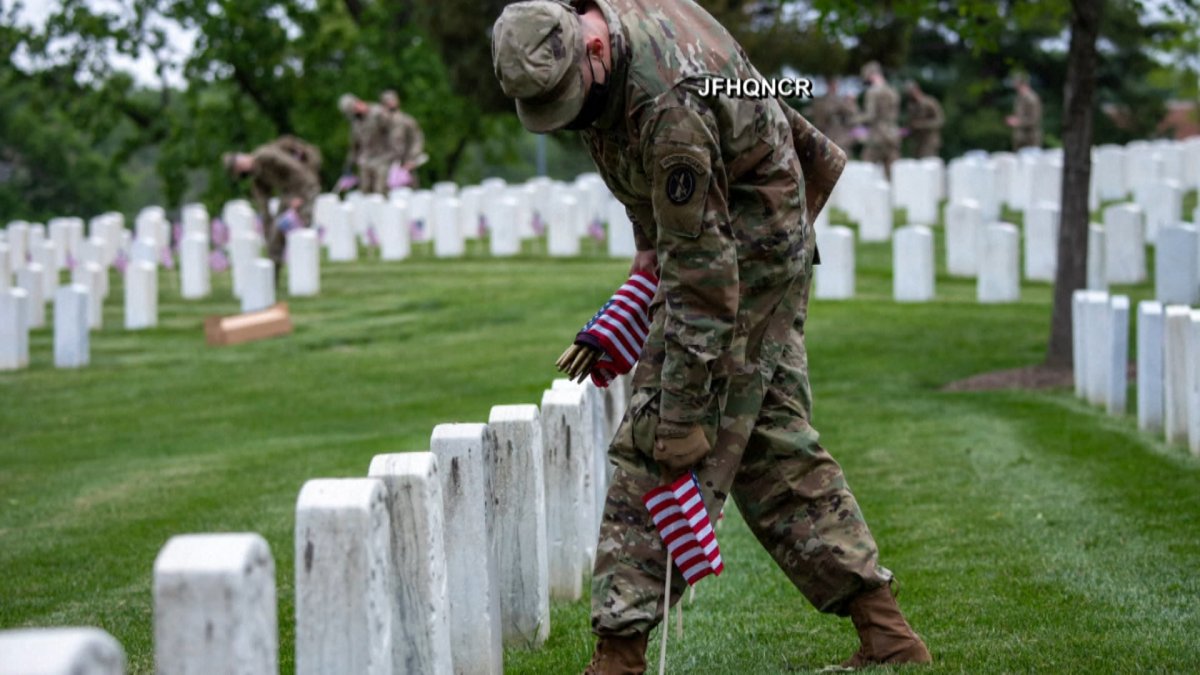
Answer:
[(345, 182), (619, 329), (679, 515)]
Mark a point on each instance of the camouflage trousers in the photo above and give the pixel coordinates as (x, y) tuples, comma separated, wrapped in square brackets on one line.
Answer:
[(882, 153), (790, 491), (374, 175), (926, 143)]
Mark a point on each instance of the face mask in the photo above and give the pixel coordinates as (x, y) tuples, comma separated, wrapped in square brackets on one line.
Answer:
[(593, 101)]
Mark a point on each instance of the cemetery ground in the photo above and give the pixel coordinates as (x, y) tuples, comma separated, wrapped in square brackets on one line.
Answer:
[(1029, 531)]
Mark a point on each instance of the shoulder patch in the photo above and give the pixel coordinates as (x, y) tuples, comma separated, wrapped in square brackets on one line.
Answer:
[(682, 175)]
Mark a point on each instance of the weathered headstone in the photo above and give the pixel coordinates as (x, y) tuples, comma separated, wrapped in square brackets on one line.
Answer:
[(421, 623), (1177, 266), (1095, 343), (259, 292), (505, 237), (469, 211), (60, 651), (141, 296), (194, 275), (95, 279), (621, 243), (562, 232), (1118, 349), (1162, 201), (14, 329), (914, 191), (876, 224), (18, 244), (71, 347), (214, 606), (30, 279), (344, 578), (1193, 382), (567, 441), (912, 264), (447, 235), (244, 249), (1125, 244), (518, 540), (834, 278), (1175, 361), (999, 269), (1097, 278), (195, 220), (1079, 328), (394, 233), (303, 263), (471, 574), (964, 236), (343, 245), (1150, 366), (1041, 241), (1108, 166)]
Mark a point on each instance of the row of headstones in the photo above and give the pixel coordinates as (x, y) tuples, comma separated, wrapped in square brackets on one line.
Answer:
[(1168, 362), (1155, 174), (36, 263), (451, 216), (992, 254), (433, 564)]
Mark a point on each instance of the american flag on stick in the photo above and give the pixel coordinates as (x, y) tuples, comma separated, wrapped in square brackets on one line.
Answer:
[(679, 515), (619, 329)]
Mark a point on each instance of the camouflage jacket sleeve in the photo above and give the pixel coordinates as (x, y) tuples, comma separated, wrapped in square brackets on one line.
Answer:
[(697, 255), (820, 158)]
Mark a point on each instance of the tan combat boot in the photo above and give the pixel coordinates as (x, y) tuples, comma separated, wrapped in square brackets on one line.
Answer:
[(885, 636), (619, 656)]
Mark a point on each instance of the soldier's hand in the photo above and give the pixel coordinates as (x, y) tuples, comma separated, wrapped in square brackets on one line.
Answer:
[(645, 261), (678, 447), (578, 360)]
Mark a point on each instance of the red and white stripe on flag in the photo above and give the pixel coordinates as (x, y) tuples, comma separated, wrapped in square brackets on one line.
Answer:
[(679, 515), (619, 329)]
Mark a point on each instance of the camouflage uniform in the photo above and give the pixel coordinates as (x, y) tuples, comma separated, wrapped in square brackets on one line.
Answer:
[(834, 115), (306, 153), (718, 186), (881, 112), (408, 143), (276, 173), (925, 119), (1028, 111), (371, 147)]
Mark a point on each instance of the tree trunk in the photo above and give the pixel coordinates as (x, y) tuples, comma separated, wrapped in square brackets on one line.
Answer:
[(1078, 97)]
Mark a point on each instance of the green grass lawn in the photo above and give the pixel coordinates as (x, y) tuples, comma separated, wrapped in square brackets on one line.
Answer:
[(1030, 532)]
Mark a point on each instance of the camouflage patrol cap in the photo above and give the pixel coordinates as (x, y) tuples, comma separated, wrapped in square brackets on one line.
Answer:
[(537, 46), (870, 68)]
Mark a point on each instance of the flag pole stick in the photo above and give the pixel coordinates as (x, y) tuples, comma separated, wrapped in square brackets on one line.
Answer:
[(679, 623), (662, 654)]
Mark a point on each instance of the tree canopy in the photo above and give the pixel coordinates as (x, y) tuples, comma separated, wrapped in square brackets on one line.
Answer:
[(78, 135)]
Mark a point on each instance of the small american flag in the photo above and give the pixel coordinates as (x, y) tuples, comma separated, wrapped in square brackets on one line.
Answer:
[(679, 515), (619, 328)]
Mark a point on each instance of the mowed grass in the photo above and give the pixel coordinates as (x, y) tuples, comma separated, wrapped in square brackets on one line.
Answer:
[(1029, 531)]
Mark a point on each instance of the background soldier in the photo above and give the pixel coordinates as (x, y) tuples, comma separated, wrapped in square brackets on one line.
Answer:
[(408, 142), (370, 142), (1026, 120), (925, 121), (834, 115), (275, 173), (722, 385), (881, 114), (302, 151)]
